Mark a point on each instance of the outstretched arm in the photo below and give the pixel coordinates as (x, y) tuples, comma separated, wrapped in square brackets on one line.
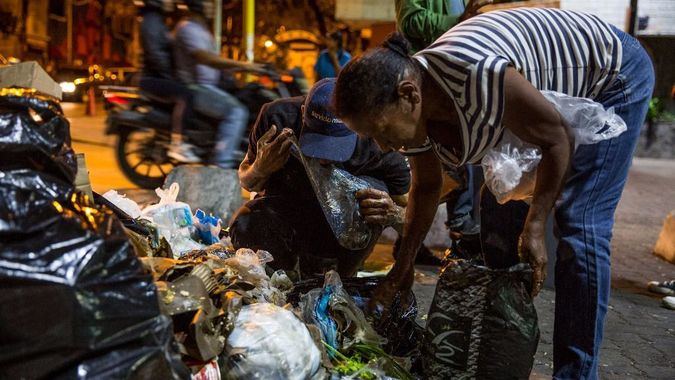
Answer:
[(534, 120)]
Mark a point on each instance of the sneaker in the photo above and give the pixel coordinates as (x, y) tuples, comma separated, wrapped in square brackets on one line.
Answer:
[(183, 153), (666, 288), (668, 302)]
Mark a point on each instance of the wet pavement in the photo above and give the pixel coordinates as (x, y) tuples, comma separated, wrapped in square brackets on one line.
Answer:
[(639, 335)]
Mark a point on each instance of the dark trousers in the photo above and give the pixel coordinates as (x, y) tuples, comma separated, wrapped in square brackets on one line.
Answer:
[(298, 236)]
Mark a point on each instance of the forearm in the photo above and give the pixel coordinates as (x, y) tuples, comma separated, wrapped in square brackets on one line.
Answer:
[(251, 178), (550, 179), (214, 60), (421, 208)]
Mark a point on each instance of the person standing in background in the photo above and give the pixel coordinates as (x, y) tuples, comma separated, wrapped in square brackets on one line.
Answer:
[(331, 59)]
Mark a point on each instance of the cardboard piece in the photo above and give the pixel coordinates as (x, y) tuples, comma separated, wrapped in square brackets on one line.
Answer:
[(29, 75), (665, 246)]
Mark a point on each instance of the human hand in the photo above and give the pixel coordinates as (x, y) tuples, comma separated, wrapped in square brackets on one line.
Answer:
[(532, 249), (377, 207), (273, 152), (472, 8), (397, 283)]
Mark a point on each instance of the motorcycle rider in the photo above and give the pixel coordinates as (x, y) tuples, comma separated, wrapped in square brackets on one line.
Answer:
[(158, 77), (198, 66)]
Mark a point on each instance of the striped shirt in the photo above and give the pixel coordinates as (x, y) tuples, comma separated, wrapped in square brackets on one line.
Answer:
[(569, 52)]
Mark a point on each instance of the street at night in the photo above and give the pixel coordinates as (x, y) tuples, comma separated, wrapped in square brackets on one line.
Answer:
[(334, 190)]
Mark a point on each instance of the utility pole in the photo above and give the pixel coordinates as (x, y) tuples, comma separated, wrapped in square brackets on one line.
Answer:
[(218, 23), (249, 28), (632, 18)]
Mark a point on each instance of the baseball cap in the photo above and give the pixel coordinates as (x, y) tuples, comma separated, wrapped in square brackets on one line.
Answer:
[(323, 134)]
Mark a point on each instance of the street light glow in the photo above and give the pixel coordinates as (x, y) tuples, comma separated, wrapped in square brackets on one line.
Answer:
[(67, 87), (269, 44)]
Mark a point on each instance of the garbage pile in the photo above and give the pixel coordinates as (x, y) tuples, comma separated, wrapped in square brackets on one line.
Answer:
[(233, 313)]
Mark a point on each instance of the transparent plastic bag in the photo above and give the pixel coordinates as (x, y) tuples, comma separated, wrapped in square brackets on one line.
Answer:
[(336, 190), (589, 120), (510, 169), (269, 342), (510, 166)]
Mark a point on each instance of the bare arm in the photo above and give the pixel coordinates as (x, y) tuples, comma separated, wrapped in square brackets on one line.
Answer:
[(533, 119), (208, 58), (420, 212)]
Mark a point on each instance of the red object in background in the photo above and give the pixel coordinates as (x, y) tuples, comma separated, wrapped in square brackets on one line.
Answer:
[(91, 101)]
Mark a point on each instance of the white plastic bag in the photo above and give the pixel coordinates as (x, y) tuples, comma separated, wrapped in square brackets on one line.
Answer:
[(125, 204), (510, 167), (173, 220), (269, 342)]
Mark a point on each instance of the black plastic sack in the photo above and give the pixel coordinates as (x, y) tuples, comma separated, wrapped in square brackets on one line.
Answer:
[(335, 189), (75, 300), (482, 324), (403, 334), (34, 134)]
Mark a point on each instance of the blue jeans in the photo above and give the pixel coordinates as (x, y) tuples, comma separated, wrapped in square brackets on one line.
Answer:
[(218, 104), (584, 218)]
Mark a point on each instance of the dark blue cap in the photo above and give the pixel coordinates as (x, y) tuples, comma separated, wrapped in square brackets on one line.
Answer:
[(323, 134)]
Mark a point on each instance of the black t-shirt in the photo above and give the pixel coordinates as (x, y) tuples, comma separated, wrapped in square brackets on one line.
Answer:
[(389, 170)]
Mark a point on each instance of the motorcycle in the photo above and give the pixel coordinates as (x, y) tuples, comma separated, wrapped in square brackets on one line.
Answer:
[(142, 122)]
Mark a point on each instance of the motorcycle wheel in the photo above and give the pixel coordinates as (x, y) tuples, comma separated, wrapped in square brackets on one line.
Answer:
[(142, 157)]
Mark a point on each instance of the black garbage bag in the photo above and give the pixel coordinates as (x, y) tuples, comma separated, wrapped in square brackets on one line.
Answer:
[(34, 134), (403, 334), (76, 302), (482, 324)]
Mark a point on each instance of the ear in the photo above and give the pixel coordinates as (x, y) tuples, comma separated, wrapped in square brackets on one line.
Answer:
[(409, 91)]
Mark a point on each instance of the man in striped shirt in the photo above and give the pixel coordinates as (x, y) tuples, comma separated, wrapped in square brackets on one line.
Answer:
[(451, 103)]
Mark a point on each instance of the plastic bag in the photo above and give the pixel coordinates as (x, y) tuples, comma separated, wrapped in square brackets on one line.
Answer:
[(510, 169), (173, 220), (269, 342), (76, 300), (208, 227), (510, 166), (125, 204), (34, 134), (589, 120), (482, 324), (335, 190)]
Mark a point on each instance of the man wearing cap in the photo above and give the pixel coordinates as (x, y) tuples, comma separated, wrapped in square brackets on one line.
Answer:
[(287, 220)]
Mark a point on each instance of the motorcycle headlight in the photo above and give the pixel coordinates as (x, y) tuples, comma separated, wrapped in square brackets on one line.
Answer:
[(67, 87)]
